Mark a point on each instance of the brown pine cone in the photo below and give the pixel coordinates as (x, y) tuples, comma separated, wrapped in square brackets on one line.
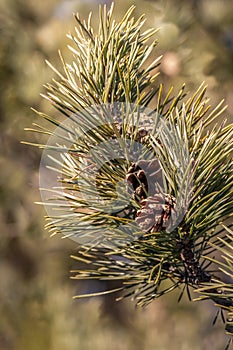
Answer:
[(157, 213), (143, 176), (131, 132)]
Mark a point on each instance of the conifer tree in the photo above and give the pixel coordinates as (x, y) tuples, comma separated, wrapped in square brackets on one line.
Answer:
[(144, 177)]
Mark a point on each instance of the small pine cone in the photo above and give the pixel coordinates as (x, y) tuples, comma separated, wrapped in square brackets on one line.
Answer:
[(137, 177), (157, 213), (143, 175), (139, 134)]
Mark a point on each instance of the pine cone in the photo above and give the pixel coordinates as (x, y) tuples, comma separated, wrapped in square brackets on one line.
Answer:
[(143, 176), (157, 213), (137, 134)]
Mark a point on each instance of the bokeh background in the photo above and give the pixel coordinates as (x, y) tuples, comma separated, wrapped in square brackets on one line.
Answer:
[(37, 311)]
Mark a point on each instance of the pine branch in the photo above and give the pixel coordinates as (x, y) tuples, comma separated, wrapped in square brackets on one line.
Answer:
[(143, 190)]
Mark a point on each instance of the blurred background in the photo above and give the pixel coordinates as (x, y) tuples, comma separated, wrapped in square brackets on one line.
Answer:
[(37, 311)]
